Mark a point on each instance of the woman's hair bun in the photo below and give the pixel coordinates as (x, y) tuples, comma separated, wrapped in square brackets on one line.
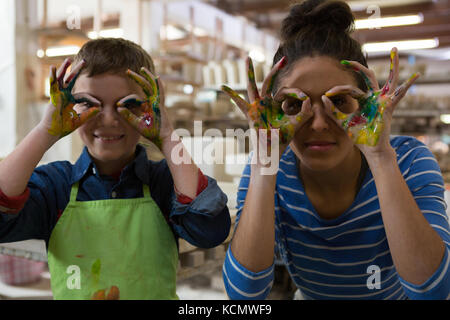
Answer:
[(315, 15)]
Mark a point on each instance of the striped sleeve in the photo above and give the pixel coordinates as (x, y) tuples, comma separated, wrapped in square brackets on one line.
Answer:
[(423, 176), (241, 283)]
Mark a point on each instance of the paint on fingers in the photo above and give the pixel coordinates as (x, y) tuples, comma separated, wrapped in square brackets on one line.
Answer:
[(361, 72), (280, 65), (388, 85), (252, 79)]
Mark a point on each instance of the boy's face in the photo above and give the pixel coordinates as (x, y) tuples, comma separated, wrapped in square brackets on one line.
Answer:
[(111, 141)]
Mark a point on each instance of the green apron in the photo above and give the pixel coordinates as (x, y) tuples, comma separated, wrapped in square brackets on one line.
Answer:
[(125, 243)]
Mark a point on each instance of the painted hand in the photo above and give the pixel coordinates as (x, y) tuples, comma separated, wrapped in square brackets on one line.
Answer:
[(61, 118), (151, 120), (284, 111), (370, 124)]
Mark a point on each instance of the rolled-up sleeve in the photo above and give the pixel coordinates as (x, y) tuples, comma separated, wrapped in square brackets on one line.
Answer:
[(241, 283), (205, 222), (47, 190), (436, 287)]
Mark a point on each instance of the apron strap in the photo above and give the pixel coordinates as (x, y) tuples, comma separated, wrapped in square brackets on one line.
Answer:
[(74, 192), (146, 190)]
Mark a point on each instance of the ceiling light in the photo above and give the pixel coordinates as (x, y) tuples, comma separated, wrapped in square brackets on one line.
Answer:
[(106, 33), (257, 55), (401, 45), (188, 89), (172, 32), (40, 53), (62, 51), (445, 118), (388, 21)]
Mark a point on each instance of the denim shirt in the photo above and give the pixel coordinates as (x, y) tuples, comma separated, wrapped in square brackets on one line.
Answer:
[(205, 222)]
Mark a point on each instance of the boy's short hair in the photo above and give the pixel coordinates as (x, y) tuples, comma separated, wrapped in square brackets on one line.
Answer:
[(113, 55)]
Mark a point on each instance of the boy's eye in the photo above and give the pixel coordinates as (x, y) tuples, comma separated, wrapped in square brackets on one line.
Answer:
[(133, 105), (82, 105), (130, 105)]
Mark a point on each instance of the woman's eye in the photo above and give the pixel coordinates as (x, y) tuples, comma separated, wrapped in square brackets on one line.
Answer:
[(345, 104), (292, 106), (338, 101)]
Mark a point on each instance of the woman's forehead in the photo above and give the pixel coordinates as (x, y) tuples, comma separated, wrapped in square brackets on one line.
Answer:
[(316, 75)]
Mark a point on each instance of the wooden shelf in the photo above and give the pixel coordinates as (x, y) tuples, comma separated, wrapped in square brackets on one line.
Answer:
[(418, 113), (181, 57), (178, 79)]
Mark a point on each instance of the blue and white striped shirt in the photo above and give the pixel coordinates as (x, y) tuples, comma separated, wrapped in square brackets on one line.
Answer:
[(341, 258)]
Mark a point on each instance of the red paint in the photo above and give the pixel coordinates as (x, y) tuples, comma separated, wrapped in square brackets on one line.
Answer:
[(356, 120), (148, 120), (282, 62)]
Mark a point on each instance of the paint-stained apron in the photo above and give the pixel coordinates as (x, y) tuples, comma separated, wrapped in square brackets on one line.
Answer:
[(113, 247)]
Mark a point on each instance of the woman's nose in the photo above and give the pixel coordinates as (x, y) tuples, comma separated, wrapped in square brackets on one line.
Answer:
[(319, 120)]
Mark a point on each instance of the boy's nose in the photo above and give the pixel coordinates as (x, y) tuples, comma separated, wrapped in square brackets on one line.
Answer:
[(109, 116), (319, 121)]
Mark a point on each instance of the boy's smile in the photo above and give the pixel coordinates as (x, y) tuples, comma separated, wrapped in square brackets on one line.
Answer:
[(110, 140)]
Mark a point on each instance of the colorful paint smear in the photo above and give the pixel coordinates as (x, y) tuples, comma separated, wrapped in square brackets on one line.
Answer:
[(64, 118), (112, 293), (365, 125), (95, 271), (387, 87), (280, 65), (266, 113), (148, 122)]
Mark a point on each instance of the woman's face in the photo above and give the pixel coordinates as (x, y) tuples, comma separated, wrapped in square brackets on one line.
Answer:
[(321, 144)]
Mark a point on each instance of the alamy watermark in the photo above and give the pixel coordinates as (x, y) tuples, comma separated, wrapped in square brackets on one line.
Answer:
[(74, 278), (73, 21), (211, 146), (374, 280)]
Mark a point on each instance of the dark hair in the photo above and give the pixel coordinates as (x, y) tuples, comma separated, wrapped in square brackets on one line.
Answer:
[(113, 55), (315, 28)]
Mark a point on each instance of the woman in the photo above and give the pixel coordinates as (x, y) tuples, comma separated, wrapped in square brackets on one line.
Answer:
[(352, 212)]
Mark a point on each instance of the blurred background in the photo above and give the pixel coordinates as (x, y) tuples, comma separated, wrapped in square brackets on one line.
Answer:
[(197, 46)]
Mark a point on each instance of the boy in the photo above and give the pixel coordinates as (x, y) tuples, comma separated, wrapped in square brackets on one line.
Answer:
[(111, 220)]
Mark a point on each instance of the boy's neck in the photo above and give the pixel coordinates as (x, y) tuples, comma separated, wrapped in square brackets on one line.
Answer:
[(114, 167)]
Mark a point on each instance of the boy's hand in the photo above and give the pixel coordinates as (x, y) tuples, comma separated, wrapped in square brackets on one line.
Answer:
[(60, 118), (151, 120)]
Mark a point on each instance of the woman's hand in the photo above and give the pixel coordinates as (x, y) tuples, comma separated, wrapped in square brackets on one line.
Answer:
[(370, 126), (60, 118), (284, 111), (150, 120)]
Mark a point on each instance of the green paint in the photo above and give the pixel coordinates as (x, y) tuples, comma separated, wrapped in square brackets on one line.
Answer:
[(95, 271)]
